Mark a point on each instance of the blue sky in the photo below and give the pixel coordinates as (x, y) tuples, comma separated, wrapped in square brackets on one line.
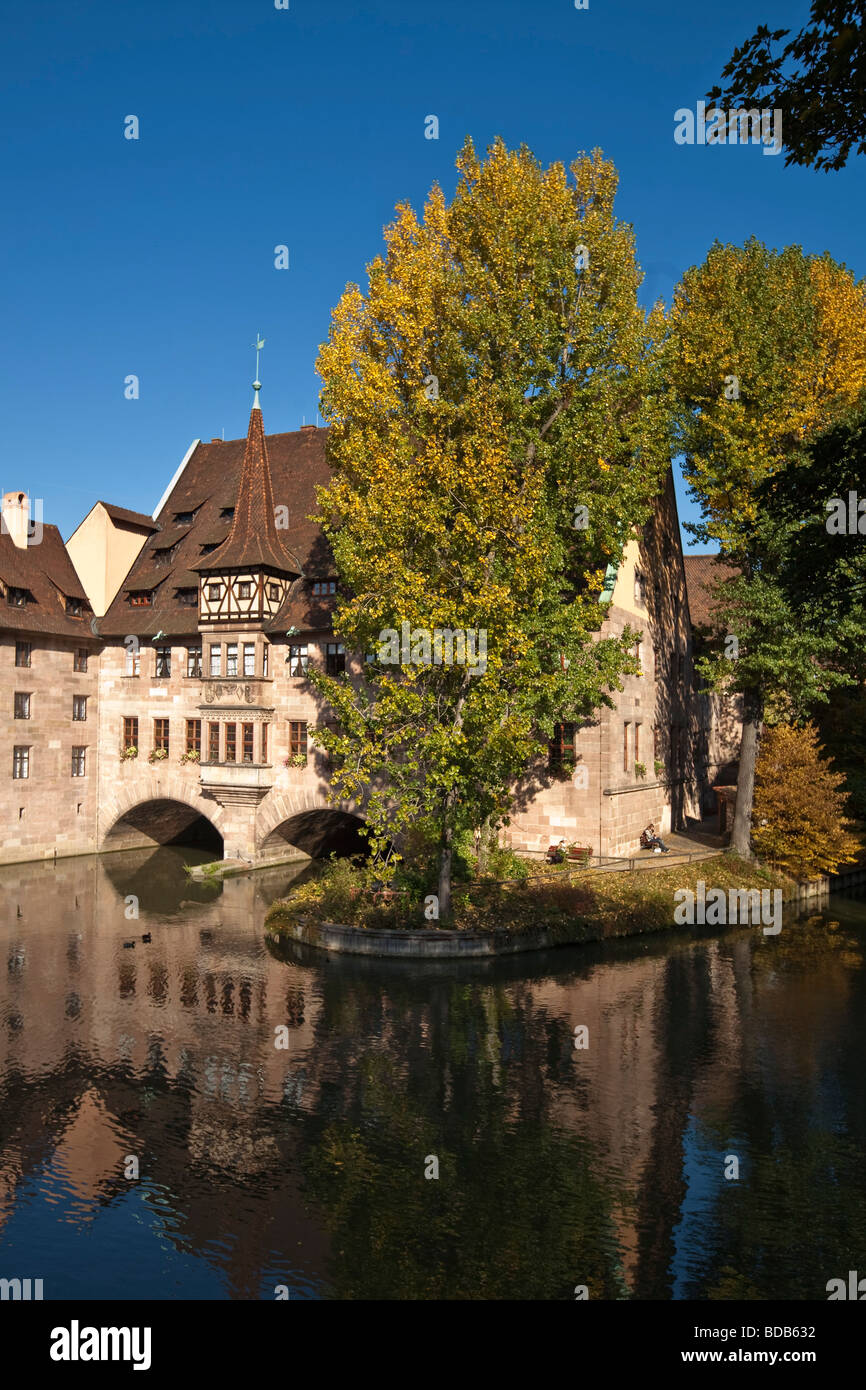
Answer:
[(304, 127)]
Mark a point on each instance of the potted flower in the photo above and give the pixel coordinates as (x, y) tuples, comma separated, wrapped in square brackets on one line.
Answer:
[(640, 769), (157, 755), (127, 754), (659, 767), (192, 755)]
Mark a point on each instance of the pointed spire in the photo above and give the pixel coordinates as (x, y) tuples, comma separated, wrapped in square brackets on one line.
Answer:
[(253, 541)]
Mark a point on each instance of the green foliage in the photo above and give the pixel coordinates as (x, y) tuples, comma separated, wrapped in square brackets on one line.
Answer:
[(456, 510)]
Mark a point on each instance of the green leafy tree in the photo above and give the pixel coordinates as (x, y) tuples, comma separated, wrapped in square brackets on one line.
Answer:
[(497, 430), (817, 79), (767, 350)]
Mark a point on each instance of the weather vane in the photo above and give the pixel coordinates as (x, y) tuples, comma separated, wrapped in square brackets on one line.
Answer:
[(258, 345)]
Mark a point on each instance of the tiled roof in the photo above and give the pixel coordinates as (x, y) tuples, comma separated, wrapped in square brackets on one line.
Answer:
[(253, 540), (130, 518), (210, 482), (47, 572), (703, 572)]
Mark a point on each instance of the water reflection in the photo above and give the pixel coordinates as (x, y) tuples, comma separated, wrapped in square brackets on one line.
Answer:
[(558, 1167)]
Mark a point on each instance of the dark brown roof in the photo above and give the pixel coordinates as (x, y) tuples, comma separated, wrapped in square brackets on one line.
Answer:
[(253, 540), (703, 572), (129, 518), (48, 573), (210, 482)]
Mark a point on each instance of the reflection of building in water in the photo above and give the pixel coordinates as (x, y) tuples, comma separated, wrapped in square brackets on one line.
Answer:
[(165, 1051)]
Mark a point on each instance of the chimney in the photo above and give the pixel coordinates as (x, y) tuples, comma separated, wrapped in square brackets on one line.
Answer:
[(306, 428), (216, 440), (16, 517)]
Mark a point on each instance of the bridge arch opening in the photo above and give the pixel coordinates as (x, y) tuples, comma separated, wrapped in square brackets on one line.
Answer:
[(319, 833), (164, 822)]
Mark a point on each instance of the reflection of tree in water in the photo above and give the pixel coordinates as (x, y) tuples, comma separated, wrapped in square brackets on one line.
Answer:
[(797, 1215), (468, 1073)]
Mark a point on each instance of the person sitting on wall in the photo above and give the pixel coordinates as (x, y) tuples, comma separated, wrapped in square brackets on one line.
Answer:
[(650, 840), (556, 853)]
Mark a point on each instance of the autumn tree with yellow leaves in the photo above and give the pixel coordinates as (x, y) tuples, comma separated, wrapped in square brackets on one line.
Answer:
[(799, 812), (766, 352), (497, 429)]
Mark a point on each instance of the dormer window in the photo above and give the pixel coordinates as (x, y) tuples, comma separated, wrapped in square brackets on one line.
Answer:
[(140, 598), (227, 514), (73, 607), (184, 518), (187, 598), (164, 554), (206, 549), (324, 586), (19, 598)]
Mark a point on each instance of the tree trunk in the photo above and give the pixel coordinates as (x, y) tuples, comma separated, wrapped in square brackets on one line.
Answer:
[(445, 876), (753, 723)]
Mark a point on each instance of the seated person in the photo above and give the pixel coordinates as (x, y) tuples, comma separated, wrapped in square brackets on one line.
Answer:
[(650, 840), (556, 853)]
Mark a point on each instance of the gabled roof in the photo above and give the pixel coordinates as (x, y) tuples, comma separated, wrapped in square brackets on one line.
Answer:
[(128, 518), (208, 482), (46, 571), (703, 572), (253, 541)]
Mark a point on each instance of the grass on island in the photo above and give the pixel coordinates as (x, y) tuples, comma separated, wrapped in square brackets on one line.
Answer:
[(572, 904)]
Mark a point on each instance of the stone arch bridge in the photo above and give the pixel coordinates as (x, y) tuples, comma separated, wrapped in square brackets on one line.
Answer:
[(172, 806)]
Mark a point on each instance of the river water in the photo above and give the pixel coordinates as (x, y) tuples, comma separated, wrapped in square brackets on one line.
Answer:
[(157, 1143)]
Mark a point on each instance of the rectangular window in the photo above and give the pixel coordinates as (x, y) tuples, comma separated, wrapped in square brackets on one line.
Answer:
[(20, 762), (299, 659), (216, 660), (625, 729), (193, 736), (637, 743), (247, 737), (184, 518), (244, 588), (657, 744), (231, 658), (187, 598), (274, 593), (23, 653), (249, 658), (335, 658), (265, 728), (79, 708), (193, 661), (17, 598), (139, 598), (638, 655), (160, 734), (79, 661), (213, 743), (130, 731), (22, 704), (325, 586), (297, 737), (163, 663), (639, 591), (265, 652), (561, 746), (73, 607), (78, 762), (231, 743), (214, 592), (133, 660)]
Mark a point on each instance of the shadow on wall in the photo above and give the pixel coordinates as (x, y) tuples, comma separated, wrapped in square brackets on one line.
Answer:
[(165, 823)]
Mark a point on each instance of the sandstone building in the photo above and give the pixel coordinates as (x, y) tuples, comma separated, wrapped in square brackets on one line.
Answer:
[(166, 695)]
